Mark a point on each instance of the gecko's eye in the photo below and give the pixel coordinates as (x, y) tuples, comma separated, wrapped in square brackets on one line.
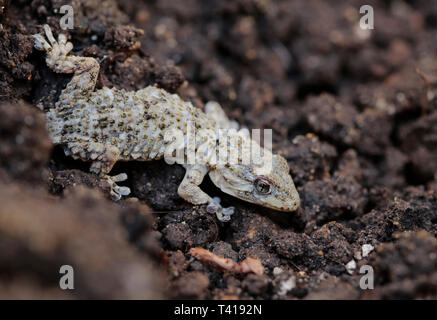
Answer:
[(263, 185)]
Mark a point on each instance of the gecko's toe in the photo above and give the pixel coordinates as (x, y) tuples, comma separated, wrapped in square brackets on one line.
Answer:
[(62, 39), (217, 200), (49, 34), (119, 177), (229, 211), (115, 196), (123, 191), (40, 43), (213, 208), (221, 216)]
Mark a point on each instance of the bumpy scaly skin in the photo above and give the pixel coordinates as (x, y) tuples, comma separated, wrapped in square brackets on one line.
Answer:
[(110, 125)]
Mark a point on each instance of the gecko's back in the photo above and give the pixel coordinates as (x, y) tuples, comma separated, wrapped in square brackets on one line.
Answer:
[(133, 122)]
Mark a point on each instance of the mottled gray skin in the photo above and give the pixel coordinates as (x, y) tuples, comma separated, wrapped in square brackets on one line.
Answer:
[(109, 125)]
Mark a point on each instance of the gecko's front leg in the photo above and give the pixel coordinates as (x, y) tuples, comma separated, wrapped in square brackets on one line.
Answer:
[(190, 191)]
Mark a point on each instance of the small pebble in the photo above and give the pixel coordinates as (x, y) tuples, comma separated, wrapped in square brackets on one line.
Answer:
[(367, 248), (351, 266), (357, 255), (277, 271), (286, 286)]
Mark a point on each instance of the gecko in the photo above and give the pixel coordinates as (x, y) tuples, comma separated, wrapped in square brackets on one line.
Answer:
[(107, 125)]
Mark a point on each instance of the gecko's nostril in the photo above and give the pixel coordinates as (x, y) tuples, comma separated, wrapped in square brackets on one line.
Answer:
[(293, 205)]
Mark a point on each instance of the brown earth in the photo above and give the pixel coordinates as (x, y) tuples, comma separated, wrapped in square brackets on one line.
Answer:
[(353, 111)]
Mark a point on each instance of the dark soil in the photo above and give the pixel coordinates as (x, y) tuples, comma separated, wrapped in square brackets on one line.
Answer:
[(354, 112)]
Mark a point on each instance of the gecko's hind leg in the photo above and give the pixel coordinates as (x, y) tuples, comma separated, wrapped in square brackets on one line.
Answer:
[(85, 69), (103, 158)]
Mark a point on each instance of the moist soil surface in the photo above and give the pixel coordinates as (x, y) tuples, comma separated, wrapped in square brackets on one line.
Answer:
[(353, 111)]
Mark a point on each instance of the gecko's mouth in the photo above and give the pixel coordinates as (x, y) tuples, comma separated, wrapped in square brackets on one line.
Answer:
[(244, 190), (289, 206)]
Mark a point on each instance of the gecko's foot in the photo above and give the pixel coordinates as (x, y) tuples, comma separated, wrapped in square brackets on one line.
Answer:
[(49, 44), (223, 214), (116, 191)]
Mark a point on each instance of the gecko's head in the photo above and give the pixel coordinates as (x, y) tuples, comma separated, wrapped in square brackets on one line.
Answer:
[(269, 186)]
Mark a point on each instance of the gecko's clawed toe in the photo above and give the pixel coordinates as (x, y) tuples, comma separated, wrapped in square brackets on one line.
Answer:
[(40, 43), (49, 34), (119, 177)]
